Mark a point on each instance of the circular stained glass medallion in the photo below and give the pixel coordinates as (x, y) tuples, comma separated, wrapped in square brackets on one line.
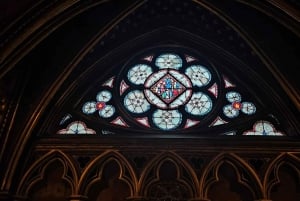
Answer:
[(199, 75), (89, 107), (135, 102), (139, 73), (104, 96), (233, 96), (107, 111), (230, 112), (200, 104), (248, 108), (167, 119)]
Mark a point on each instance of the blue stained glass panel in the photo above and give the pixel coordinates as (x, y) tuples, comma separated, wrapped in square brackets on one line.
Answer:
[(199, 104), (135, 102), (199, 75), (107, 111), (89, 107), (169, 61), (139, 73), (263, 128), (230, 112), (233, 96), (248, 108), (104, 96), (167, 119)]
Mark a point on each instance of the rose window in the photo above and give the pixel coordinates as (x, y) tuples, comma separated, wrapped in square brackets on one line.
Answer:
[(166, 91)]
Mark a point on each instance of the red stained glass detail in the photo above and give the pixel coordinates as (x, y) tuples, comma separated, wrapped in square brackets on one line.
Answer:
[(167, 88), (144, 121), (237, 105), (119, 121), (100, 105), (190, 123), (123, 87), (214, 90)]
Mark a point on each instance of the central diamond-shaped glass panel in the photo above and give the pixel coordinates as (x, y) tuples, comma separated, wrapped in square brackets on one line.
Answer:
[(167, 88)]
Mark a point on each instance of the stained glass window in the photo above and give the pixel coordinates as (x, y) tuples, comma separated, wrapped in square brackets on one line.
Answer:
[(135, 102), (263, 128), (104, 110), (232, 110), (168, 91), (76, 127)]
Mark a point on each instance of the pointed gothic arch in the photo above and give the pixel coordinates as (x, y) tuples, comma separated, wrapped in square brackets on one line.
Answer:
[(211, 171), (36, 172), (97, 165), (271, 177), (178, 162)]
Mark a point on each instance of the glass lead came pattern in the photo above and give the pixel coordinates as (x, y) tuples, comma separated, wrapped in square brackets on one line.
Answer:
[(139, 73), (263, 128), (170, 61), (160, 93), (153, 99), (105, 110), (230, 112), (164, 90), (76, 127), (167, 119), (200, 104), (248, 108), (236, 105), (233, 97), (167, 88), (103, 96), (199, 75), (135, 102), (89, 107)]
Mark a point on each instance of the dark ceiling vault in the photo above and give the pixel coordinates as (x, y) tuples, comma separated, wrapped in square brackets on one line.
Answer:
[(46, 45)]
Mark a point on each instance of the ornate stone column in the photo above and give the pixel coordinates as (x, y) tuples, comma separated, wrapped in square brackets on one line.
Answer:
[(78, 198)]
